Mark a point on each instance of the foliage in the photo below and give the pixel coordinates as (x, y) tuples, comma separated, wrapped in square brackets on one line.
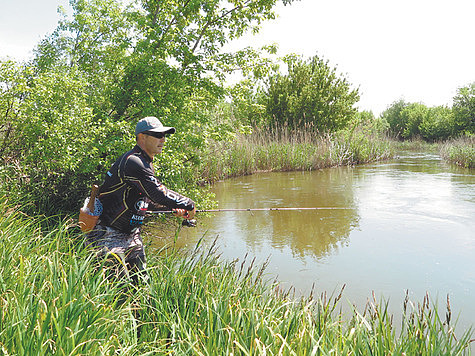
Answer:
[(460, 151), (366, 122), (70, 112), (464, 109), (286, 150), (412, 120), (413, 114), (311, 95), (245, 104), (438, 124), (393, 115), (53, 146)]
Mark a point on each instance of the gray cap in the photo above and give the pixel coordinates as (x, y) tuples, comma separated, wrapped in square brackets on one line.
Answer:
[(151, 123)]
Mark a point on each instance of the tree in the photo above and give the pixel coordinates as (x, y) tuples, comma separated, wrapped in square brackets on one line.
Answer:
[(394, 117), (438, 124), (413, 115), (109, 64), (311, 94), (464, 109)]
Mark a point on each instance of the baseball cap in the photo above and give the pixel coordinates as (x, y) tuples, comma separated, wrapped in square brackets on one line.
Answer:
[(151, 123)]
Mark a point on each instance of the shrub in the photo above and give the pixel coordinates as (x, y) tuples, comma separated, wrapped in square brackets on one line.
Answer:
[(311, 95), (464, 109)]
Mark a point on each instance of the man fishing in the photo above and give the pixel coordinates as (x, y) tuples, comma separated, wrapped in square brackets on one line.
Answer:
[(129, 187)]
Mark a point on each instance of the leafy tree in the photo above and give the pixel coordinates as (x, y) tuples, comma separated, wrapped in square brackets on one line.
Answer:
[(245, 104), (438, 124), (13, 87), (67, 116), (368, 123), (311, 94), (464, 109), (393, 115), (413, 115)]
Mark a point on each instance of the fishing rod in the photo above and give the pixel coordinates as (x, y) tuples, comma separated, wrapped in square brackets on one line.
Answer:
[(192, 222), (250, 209)]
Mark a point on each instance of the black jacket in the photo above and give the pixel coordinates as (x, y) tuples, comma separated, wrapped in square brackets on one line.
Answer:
[(130, 185)]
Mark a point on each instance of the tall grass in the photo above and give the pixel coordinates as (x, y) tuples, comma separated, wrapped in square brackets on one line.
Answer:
[(51, 300), (55, 300), (290, 150), (460, 151), (414, 144)]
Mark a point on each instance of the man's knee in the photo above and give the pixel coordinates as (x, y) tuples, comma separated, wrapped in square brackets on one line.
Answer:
[(138, 268)]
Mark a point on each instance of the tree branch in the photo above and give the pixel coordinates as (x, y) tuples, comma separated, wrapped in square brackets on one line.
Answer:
[(213, 21), (172, 21)]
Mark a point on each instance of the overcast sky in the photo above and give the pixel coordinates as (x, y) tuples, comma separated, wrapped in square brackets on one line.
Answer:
[(417, 50)]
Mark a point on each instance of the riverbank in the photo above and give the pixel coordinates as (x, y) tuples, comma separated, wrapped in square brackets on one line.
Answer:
[(290, 150), (299, 150), (460, 151), (54, 299)]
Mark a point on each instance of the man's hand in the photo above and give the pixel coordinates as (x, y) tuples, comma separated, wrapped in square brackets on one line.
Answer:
[(185, 214)]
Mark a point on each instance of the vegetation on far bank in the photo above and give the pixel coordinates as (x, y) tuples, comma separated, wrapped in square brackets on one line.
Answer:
[(291, 150), (55, 299), (460, 151)]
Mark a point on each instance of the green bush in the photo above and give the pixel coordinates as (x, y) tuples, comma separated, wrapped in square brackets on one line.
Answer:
[(393, 115), (438, 124), (460, 151), (464, 109), (311, 95), (415, 120)]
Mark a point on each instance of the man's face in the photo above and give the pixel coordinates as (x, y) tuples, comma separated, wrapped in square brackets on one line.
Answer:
[(153, 145)]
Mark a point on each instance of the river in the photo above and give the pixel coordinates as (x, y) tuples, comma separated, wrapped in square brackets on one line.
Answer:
[(408, 225)]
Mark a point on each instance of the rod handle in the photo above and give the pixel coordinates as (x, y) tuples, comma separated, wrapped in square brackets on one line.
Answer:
[(92, 198)]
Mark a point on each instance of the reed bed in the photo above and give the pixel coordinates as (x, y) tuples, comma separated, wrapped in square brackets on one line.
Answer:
[(460, 151), (290, 150), (55, 299)]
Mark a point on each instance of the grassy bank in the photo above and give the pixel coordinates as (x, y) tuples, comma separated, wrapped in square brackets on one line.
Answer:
[(460, 151), (54, 300), (285, 150)]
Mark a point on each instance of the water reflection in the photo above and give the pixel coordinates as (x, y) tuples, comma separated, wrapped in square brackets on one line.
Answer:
[(317, 233), (410, 226)]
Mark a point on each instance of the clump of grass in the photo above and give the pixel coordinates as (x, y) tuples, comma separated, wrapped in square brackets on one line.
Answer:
[(203, 304), (290, 150), (55, 300), (460, 151), (51, 300), (414, 144)]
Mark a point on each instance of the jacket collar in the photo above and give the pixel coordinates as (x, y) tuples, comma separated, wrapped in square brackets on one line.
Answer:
[(138, 149)]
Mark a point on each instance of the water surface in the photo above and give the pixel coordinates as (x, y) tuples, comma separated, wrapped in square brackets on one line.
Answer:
[(410, 225)]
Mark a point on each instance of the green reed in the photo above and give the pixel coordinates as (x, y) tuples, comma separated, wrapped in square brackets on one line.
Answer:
[(55, 299), (290, 150), (460, 151), (51, 300)]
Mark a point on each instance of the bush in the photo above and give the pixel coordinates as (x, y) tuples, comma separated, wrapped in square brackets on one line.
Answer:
[(395, 119), (311, 95), (415, 120), (460, 151), (464, 109), (438, 124)]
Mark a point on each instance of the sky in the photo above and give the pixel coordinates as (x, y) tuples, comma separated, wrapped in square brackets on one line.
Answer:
[(415, 50)]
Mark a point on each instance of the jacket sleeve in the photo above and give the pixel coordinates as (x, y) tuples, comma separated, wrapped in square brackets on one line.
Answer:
[(142, 178)]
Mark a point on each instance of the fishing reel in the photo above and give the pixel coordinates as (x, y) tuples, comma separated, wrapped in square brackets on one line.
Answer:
[(189, 222)]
